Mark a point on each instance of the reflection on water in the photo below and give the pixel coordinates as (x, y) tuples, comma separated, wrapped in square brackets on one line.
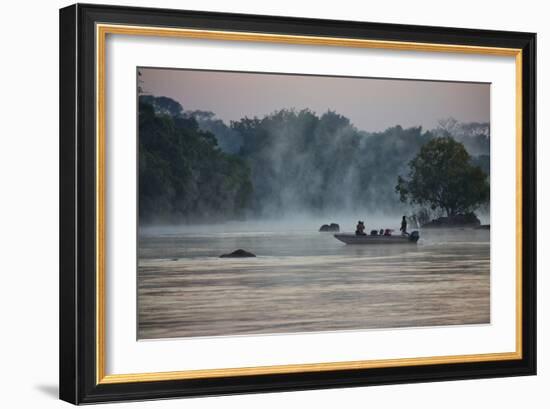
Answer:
[(307, 281)]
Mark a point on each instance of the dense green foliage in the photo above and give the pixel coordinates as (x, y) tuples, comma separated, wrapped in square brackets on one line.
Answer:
[(182, 173), (442, 177), (194, 167)]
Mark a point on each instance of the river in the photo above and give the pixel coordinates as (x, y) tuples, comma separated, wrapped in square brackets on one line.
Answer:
[(306, 281)]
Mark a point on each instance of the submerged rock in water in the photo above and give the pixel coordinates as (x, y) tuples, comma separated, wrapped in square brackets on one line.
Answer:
[(238, 253), (459, 220), (333, 227)]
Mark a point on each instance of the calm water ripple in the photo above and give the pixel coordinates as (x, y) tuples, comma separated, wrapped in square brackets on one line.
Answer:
[(307, 281)]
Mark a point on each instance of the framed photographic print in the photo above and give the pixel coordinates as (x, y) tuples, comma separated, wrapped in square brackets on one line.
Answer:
[(257, 203)]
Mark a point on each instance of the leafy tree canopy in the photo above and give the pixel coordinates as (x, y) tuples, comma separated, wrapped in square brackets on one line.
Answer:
[(442, 176), (194, 167), (183, 175)]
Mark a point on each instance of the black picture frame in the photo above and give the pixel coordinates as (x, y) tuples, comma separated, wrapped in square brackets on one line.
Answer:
[(78, 313)]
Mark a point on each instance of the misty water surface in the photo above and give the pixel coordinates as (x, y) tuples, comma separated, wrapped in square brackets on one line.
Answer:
[(303, 280)]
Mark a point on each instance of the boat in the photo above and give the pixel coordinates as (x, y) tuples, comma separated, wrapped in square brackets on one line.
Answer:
[(350, 238)]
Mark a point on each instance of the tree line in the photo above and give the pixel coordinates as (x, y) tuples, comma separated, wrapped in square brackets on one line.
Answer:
[(195, 168)]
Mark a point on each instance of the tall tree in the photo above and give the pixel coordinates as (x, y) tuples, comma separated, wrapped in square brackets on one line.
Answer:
[(442, 176)]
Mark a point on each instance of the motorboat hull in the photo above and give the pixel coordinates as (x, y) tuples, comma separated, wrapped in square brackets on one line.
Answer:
[(349, 238)]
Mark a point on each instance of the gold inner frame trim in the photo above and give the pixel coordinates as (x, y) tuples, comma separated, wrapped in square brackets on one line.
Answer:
[(101, 33)]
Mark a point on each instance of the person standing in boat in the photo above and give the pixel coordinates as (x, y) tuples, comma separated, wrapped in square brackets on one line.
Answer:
[(360, 229), (403, 228)]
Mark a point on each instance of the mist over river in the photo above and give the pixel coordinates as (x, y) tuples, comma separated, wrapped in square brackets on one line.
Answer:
[(306, 281)]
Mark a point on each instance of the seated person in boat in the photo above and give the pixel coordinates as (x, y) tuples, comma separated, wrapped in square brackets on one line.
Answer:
[(403, 228), (360, 229)]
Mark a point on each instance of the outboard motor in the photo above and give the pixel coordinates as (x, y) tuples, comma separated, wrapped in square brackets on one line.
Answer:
[(414, 236)]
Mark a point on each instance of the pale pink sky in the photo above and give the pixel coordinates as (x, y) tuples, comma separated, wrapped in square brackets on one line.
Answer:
[(370, 104)]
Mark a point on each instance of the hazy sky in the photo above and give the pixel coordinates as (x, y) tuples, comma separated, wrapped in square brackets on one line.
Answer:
[(371, 104)]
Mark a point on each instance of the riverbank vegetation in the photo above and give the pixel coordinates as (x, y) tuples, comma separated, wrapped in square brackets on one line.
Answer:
[(193, 167)]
